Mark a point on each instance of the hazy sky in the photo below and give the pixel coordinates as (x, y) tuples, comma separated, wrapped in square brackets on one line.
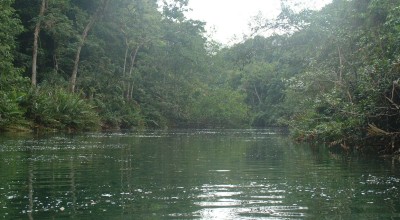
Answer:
[(227, 18)]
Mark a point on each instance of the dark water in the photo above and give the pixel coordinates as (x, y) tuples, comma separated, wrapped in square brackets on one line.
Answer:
[(201, 174)]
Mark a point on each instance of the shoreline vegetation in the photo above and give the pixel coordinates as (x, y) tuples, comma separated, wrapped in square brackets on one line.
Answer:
[(330, 76)]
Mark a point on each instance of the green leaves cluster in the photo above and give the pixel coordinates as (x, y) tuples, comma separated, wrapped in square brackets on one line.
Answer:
[(333, 76), (61, 110), (10, 27), (219, 107), (330, 75), (354, 77), (137, 66), (13, 87)]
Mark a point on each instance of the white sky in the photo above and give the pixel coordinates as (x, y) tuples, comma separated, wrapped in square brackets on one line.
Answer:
[(227, 20)]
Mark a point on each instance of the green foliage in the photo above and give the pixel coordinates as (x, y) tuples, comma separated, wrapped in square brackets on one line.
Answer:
[(10, 112), (330, 76), (119, 114), (13, 87), (351, 83), (59, 109), (139, 66), (219, 107), (10, 26)]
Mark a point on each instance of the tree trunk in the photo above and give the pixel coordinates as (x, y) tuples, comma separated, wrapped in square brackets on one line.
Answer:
[(126, 56), (85, 33), (55, 59), (127, 92), (131, 93), (125, 63), (129, 88), (133, 58), (258, 96), (35, 43), (340, 65)]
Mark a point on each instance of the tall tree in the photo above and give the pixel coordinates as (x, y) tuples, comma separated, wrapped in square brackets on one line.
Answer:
[(140, 26), (93, 18), (35, 42)]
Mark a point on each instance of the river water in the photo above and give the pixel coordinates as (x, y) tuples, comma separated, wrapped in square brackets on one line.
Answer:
[(190, 174)]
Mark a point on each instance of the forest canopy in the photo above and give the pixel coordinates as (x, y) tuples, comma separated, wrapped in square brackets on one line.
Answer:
[(330, 75)]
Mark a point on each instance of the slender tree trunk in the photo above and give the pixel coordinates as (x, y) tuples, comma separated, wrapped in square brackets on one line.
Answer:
[(340, 65), (124, 71), (126, 56), (85, 33), (131, 93), (35, 43), (129, 88), (74, 74), (258, 96), (55, 59), (133, 59)]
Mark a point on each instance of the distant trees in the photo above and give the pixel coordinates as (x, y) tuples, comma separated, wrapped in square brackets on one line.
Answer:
[(133, 63), (332, 76), (348, 83)]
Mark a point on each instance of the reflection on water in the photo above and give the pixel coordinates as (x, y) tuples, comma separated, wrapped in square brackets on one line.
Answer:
[(190, 174), (232, 201)]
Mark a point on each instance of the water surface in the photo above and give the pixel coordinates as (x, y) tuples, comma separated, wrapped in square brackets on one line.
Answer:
[(190, 174)]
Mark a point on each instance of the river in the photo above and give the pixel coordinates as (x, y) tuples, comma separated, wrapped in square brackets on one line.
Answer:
[(190, 174)]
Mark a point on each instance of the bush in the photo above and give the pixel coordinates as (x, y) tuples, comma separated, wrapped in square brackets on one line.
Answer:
[(13, 89), (57, 108), (11, 114), (117, 113)]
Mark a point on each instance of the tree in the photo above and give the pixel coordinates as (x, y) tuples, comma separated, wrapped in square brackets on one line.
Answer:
[(347, 95), (140, 25), (138, 65), (13, 87), (35, 42), (10, 27), (93, 18)]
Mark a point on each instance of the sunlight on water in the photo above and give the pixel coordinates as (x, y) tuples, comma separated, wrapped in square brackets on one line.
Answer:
[(232, 202)]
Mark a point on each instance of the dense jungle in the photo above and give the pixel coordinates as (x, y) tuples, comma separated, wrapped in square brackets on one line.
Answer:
[(331, 76)]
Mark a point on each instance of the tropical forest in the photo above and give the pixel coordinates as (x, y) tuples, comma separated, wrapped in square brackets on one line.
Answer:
[(329, 76)]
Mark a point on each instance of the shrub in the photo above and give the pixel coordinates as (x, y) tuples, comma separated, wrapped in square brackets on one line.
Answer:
[(57, 108), (11, 114)]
